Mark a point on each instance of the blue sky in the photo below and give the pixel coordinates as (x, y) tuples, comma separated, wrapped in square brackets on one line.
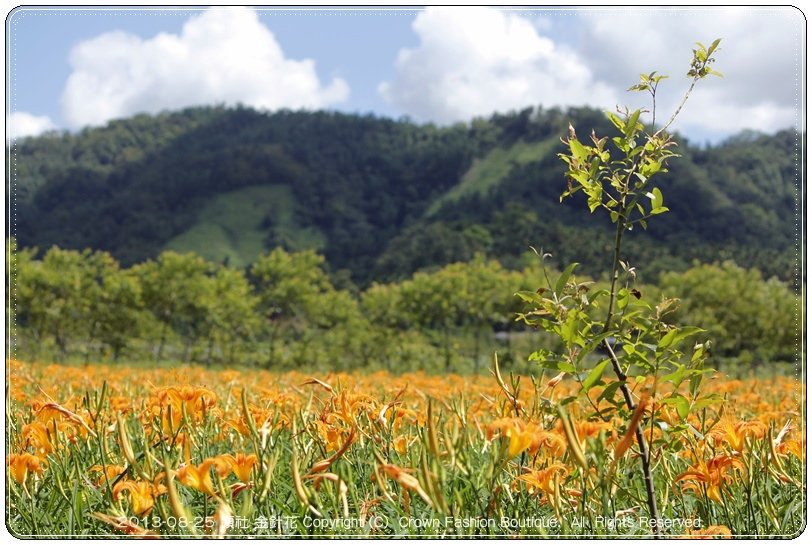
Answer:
[(76, 68)]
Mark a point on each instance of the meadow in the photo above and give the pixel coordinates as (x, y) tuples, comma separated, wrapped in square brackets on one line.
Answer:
[(193, 451), (620, 425)]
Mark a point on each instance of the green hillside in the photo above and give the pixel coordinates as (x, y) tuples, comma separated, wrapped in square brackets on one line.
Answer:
[(234, 227), (382, 198), (487, 172)]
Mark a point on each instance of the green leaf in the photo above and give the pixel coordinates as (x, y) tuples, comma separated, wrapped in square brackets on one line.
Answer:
[(686, 332), (609, 392), (631, 124), (578, 149), (676, 377), (569, 329), (667, 340), (616, 121), (680, 403), (656, 197), (530, 296), (707, 401), (594, 376), (622, 298), (562, 280)]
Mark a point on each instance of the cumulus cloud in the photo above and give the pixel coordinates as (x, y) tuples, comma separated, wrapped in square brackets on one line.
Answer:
[(475, 61), (759, 58), (479, 60), (220, 56), (22, 124)]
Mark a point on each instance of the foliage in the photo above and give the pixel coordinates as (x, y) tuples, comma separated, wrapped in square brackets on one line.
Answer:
[(749, 318), (198, 452), (384, 199), (288, 311), (633, 339)]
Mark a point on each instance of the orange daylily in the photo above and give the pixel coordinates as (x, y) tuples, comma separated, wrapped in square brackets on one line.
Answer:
[(22, 465), (37, 436), (193, 401), (520, 435), (735, 433), (199, 477), (400, 443), (332, 436), (710, 476), (142, 495), (110, 472), (794, 447), (241, 465), (709, 533), (543, 479)]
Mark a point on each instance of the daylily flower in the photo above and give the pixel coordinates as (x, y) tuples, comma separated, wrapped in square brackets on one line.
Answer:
[(142, 495), (21, 465), (199, 477), (111, 472), (520, 435), (709, 533), (734, 433), (709, 477), (241, 465), (37, 436), (543, 479)]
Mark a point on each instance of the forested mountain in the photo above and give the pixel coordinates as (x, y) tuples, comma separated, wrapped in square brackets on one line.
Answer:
[(382, 198)]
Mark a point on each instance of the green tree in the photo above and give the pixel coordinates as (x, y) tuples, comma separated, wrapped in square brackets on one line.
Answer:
[(233, 313), (178, 290), (288, 286), (637, 339), (747, 317), (54, 298), (117, 312)]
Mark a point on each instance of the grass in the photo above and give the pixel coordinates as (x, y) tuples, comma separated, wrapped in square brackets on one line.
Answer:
[(230, 226), (191, 452), (490, 170)]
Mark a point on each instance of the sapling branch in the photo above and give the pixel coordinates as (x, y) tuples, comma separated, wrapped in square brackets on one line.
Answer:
[(624, 181)]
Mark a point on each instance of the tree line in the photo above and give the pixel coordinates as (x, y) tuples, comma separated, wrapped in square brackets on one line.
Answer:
[(286, 310)]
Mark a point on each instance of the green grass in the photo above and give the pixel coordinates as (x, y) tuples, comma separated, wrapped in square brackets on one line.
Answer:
[(490, 170), (230, 227)]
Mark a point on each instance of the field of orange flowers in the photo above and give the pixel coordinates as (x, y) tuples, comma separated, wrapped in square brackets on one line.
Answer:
[(109, 450)]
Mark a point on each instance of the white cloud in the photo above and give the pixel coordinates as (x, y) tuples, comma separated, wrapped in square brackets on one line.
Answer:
[(759, 58), (479, 60), (220, 56), (22, 124), (474, 61)]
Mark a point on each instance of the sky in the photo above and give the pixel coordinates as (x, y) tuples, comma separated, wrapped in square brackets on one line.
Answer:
[(74, 68)]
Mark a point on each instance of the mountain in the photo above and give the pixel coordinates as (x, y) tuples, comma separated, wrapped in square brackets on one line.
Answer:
[(382, 198)]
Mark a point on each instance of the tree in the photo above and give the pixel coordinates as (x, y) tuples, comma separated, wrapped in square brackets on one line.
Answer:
[(636, 339), (233, 312), (116, 314), (178, 290), (288, 286), (748, 317)]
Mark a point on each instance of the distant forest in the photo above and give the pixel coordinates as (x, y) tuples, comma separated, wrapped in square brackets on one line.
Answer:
[(382, 199)]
